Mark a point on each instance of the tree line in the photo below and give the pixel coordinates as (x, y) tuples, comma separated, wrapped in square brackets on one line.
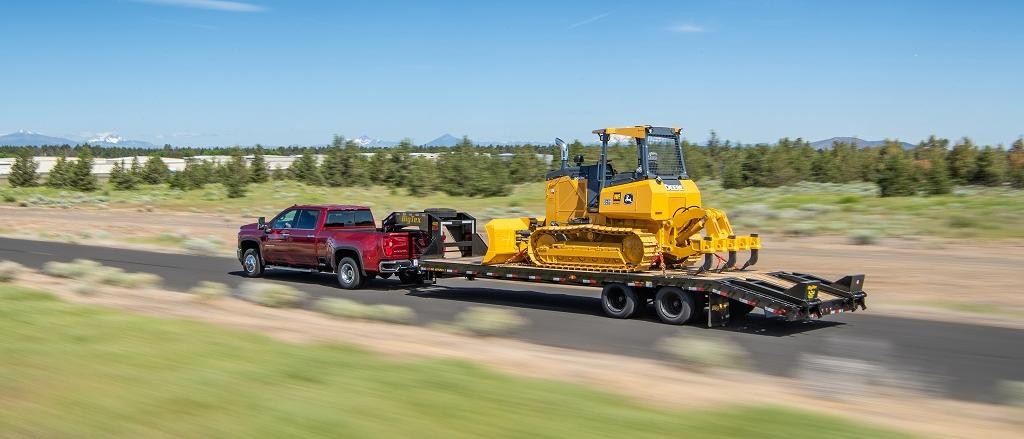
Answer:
[(465, 170), (930, 167)]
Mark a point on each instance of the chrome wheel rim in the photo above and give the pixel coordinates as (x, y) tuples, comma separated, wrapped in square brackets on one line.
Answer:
[(347, 273), (250, 263)]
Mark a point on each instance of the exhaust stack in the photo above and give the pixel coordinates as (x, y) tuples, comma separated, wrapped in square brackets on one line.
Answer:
[(565, 152)]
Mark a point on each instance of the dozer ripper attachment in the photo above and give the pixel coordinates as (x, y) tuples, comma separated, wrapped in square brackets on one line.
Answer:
[(646, 215)]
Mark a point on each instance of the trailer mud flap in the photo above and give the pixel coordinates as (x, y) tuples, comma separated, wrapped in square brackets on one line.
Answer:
[(718, 310)]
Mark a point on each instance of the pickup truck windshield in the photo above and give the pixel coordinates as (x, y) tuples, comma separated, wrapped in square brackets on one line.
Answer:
[(349, 218)]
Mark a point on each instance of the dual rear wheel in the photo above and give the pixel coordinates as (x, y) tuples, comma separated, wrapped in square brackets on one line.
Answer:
[(672, 305)]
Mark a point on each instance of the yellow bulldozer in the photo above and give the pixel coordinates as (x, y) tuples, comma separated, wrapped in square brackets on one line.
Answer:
[(635, 218)]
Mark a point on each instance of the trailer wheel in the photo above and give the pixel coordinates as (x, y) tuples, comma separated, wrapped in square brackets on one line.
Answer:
[(384, 275), (619, 301), (349, 276), (674, 306)]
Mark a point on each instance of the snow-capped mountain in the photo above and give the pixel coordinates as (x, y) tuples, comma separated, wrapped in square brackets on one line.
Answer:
[(366, 141), (112, 139), (105, 138), (29, 138)]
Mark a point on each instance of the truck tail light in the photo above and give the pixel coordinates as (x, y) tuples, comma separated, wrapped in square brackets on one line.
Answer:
[(396, 246)]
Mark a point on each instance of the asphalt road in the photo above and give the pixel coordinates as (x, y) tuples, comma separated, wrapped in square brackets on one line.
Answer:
[(962, 361)]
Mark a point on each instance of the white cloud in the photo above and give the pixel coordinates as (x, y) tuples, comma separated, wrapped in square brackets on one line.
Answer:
[(217, 5), (687, 29), (589, 20)]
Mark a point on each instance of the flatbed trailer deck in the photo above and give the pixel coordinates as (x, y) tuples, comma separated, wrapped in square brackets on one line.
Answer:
[(788, 295)]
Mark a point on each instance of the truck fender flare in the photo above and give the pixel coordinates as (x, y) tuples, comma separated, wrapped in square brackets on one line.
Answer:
[(256, 243), (334, 254)]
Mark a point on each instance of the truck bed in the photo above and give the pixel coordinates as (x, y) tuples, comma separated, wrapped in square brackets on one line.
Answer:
[(790, 295)]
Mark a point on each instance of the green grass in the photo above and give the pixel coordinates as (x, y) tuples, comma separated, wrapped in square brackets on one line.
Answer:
[(805, 208), (970, 212), (76, 371)]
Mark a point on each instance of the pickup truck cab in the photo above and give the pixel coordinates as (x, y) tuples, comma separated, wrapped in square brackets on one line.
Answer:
[(338, 238)]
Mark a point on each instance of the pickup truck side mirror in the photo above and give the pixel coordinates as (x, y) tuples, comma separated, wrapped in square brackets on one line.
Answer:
[(261, 222)]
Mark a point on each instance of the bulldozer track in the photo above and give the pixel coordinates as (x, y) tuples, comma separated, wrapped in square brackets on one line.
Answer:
[(588, 247)]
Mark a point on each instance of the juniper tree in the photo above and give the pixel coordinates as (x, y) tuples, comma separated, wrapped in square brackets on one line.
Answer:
[(258, 171), (237, 176), (423, 176), (931, 155), (305, 170), (121, 178), (963, 161), (59, 174), (991, 169), (155, 171), (23, 171), (80, 176), (895, 176), (136, 169)]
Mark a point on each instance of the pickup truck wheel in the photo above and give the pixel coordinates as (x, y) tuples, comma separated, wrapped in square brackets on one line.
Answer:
[(349, 276), (252, 263), (620, 301), (674, 306)]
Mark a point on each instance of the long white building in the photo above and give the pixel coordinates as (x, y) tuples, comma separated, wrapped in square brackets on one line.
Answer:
[(102, 166)]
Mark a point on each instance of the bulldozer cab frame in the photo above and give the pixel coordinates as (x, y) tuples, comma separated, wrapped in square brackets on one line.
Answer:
[(659, 155)]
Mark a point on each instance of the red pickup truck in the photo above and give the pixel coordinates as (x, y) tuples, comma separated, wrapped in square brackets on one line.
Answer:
[(342, 239)]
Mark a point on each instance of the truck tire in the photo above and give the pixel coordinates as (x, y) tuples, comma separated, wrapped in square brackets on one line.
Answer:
[(620, 301), (674, 306), (349, 275), (252, 263)]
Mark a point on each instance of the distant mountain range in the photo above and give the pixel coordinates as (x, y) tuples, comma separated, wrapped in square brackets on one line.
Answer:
[(827, 143), (445, 140), (29, 138)]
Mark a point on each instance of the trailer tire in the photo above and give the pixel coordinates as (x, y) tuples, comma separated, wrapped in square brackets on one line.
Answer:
[(349, 275), (674, 306), (620, 301), (384, 275), (252, 263)]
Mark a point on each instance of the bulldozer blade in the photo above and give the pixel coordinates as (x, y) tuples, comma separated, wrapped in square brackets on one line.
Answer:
[(751, 261), (729, 263)]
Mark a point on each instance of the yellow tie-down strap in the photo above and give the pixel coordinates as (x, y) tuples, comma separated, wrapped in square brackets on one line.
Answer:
[(719, 245)]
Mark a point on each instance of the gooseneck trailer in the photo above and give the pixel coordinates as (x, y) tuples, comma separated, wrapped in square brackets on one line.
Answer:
[(710, 296)]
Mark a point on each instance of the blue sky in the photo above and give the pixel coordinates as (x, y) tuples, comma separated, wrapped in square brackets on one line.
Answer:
[(296, 72)]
